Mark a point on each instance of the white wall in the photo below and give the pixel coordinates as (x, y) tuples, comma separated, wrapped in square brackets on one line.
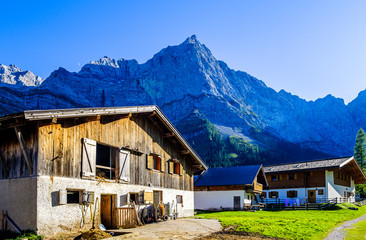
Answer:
[(53, 218), (337, 191), (214, 200), (18, 197)]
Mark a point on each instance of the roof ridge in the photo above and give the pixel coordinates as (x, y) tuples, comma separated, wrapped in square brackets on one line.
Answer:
[(317, 160)]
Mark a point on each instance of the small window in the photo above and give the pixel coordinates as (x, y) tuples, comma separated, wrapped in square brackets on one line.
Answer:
[(73, 196), (263, 195), (292, 194), (320, 192), (155, 162), (179, 198), (176, 168), (291, 176), (274, 177), (136, 198), (273, 194)]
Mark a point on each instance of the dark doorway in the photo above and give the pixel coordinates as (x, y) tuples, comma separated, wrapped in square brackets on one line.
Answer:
[(236, 202)]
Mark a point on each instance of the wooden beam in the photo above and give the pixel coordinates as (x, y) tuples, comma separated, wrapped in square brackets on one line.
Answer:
[(23, 148), (93, 118), (54, 120), (166, 135), (185, 151)]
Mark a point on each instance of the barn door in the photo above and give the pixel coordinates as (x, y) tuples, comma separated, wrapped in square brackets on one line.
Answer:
[(107, 211), (236, 202)]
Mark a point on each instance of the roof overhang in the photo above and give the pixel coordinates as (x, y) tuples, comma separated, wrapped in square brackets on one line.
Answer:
[(37, 115), (354, 169)]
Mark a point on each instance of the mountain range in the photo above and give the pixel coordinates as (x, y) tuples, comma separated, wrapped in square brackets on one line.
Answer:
[(229, 117)]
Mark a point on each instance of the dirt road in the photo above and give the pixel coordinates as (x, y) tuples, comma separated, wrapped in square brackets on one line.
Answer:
[(187, 228)]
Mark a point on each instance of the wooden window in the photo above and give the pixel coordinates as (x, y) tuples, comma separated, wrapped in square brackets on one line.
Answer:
[(136, 197), (73, 196), (155, 162), (175, 167), (106, 161), (291, 176), (273, 177), (292, 194), (124, 165), (273, 194), (180, 199), (320, 191)]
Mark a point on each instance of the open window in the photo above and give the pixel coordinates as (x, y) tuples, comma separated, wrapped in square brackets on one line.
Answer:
[(104, 161)]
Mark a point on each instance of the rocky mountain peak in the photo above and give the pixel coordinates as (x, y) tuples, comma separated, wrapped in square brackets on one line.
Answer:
[(15, 76)]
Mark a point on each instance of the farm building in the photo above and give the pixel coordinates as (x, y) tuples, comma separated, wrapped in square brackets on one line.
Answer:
[(60, 169), (327, 180), (229, 188)]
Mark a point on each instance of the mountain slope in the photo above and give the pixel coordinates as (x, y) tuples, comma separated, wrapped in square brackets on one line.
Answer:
[(228, 116)]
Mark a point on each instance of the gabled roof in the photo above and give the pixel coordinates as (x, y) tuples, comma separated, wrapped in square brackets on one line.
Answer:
[(347, 163), (34, 115), (242, 175)]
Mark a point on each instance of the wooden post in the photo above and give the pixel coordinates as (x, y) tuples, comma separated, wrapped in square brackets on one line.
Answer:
[(2, 220), (23, 148)]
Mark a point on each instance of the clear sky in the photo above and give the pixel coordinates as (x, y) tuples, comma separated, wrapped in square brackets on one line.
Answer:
[(310, 48)]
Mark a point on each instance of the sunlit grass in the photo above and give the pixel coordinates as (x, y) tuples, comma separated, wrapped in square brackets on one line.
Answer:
[(298, 224)]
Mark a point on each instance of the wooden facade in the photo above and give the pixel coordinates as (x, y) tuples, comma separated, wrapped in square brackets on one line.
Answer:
[(296, 179), (55, 147)]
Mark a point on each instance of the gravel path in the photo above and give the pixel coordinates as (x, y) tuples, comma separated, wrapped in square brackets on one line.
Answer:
[(184, 228), (339, 232)]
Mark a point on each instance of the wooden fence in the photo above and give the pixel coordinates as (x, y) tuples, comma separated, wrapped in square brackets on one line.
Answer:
[(126, 217)]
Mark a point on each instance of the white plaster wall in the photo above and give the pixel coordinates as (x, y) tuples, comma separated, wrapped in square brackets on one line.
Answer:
[(19, 198), (206, 200), (337, 191), (53, 218)]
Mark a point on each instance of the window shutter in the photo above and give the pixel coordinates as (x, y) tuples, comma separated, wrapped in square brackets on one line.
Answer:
[(148, 197), (180, 169), (162, 164), (287, 176), (150, 162), (279, 177), (171, 167), (288, 194), (124, 165), (295, 176), (89, 154), (295, 193)]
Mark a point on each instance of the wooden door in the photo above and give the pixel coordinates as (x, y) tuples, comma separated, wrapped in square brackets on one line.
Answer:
[(236, 202), (106, 211), (157, 197), (311, 196)]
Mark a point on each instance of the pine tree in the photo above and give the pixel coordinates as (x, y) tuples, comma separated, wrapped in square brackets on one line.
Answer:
[(360, 149)]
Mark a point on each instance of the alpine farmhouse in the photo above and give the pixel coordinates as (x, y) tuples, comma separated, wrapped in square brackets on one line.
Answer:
[(61, 168)]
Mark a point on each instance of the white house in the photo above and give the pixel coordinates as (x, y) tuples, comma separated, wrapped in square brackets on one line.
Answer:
[(314, 181), (228, 188)]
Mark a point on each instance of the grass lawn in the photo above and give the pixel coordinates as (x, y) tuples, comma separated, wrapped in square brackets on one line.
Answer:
[(357, 232), (298, 224)]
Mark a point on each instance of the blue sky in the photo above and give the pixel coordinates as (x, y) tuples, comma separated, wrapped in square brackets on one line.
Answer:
[(309, 48)]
